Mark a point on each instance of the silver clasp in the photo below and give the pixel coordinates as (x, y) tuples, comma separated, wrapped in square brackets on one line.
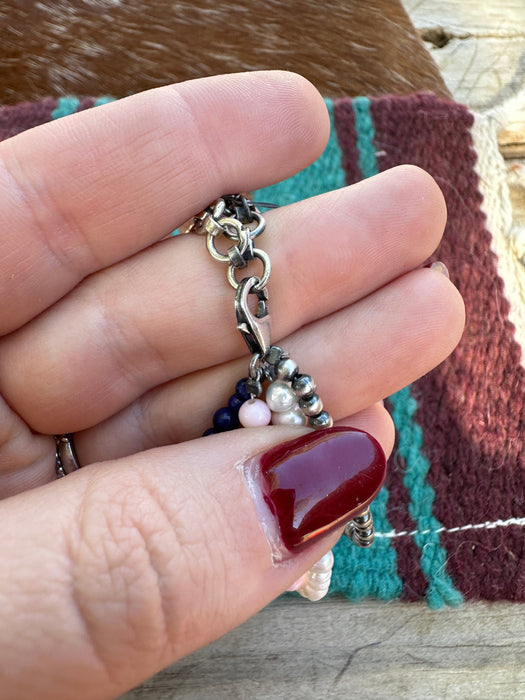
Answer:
[(255, 328)]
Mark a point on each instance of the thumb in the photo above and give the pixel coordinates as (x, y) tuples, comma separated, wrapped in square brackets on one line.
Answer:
[(122, 567)]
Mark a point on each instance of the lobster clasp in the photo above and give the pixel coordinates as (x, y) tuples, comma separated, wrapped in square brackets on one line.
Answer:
[(255, 328)]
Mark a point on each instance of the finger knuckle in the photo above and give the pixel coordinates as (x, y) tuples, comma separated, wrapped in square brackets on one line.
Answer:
[(124, 568), (47, 215)]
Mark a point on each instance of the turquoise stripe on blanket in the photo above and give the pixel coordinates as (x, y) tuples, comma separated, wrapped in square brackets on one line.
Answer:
[(433, 556), (65, 106)]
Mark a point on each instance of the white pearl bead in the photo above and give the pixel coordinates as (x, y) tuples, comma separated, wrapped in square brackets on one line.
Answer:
[(292, 417), (321, 579), (280, 397), (254, 413), (313, 594), (325, 563), (440, 267), (316, 582)]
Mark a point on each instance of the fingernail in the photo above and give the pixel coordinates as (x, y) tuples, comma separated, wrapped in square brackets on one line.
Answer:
[(318, 482), (439, 266)]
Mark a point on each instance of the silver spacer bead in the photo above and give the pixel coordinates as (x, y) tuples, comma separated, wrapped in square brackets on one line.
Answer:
[(273, 355), (254, 387), (303, 385), (286, 369), (323, 420), (311, 406), (361, 529)]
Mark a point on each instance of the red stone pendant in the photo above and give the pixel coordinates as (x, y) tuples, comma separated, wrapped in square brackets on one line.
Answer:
[(320, 481)]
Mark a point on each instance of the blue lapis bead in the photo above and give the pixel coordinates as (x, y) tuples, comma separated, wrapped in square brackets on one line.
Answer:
[(225, 419), (235, 402), (241, 390), (210, 431)]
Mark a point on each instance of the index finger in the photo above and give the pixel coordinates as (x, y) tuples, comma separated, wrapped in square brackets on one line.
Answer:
[(79, 194)]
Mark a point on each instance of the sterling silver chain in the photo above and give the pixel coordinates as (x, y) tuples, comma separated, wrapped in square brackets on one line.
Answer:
[(237, 219)]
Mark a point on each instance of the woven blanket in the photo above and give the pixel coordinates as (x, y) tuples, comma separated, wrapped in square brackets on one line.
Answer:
[(450, 518)]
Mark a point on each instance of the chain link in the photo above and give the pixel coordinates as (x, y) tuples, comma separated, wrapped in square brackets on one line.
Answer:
[(233, 217)]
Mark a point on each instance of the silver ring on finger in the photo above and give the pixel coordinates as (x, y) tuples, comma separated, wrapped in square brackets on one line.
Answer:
[(66, 460)]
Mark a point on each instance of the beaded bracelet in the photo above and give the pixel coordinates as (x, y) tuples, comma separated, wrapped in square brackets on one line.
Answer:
[(291, 397)]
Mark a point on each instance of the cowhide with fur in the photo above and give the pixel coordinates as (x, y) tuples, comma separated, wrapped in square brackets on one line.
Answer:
[(117, 47)]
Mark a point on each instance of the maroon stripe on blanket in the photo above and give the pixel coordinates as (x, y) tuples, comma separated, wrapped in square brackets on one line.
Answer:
[(471, 408), (86, 103), (17, 118), (408, 567), (344, 122)]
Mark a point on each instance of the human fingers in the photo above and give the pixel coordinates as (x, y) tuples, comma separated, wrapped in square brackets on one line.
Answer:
[(27, 459), (357, 356), (81, 193), (374, 418), (143, 560), (328, 252)]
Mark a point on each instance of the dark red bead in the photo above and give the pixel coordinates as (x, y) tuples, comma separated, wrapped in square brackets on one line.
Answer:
[(321, 480)]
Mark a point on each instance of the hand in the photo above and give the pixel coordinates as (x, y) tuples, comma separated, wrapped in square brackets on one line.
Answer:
[(125, 337)]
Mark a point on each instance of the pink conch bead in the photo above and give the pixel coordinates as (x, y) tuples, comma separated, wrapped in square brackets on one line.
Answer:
[(254, 413), (297, 584)]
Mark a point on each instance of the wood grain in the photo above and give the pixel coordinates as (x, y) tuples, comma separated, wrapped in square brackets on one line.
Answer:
[(479, 47), (497, 18), (512, 142), (371, 650), (345, 47)]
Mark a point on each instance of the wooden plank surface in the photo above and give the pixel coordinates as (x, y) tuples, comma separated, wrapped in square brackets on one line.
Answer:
[(479, 46), (478, 17), (370, 650)]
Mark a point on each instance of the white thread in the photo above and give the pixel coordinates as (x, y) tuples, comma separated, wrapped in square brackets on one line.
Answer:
[(488, 525), (508, 239)]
